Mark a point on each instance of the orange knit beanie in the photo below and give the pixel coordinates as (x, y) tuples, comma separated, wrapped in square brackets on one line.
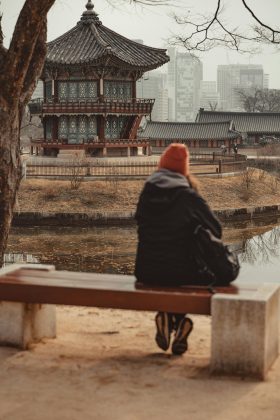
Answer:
[(175, 158)]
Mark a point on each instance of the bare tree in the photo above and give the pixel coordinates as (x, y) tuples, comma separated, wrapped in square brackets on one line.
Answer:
[(20, 68), (202, 33), (213, 105), (260, 100)]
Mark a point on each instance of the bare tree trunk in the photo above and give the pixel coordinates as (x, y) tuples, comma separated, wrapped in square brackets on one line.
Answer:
[(20, 68), (10, 172)]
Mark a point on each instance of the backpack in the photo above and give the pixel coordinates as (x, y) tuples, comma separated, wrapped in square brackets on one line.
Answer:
[(214, 259)]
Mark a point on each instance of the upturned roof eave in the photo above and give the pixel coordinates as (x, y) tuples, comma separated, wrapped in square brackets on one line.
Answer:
[(110, 43), (100, 61)]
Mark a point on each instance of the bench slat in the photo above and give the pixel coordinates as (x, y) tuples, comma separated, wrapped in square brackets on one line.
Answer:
[(103, 290)]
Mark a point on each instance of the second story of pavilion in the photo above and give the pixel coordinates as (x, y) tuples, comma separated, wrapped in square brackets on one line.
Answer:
[(93, 70)]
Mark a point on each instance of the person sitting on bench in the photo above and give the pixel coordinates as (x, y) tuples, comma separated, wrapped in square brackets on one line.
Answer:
[(168, 211)]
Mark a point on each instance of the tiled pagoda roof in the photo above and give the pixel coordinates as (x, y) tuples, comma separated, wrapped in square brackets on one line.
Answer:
[(89, 42), (189, 130), (244, 122)]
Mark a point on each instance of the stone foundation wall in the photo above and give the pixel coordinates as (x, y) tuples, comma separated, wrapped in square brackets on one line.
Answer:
[(127, 218)]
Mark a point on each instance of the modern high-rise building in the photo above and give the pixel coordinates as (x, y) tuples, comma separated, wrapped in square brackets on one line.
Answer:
[(153, 85), (235, 77), (266, 81), (171, 83), (209, 97), (184, 78)]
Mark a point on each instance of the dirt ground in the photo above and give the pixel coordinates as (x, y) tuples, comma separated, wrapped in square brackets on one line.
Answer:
[(257, 189), (104, 365)]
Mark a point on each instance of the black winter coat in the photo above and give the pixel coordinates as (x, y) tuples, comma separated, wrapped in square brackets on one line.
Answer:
[(167, 213)]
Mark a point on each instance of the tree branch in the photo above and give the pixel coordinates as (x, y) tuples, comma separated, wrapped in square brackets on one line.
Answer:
[(28, 28), (209, 32), (36, 65), (260, 100)]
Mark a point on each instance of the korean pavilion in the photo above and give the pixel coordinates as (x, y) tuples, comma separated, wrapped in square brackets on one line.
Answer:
[(90, 103)]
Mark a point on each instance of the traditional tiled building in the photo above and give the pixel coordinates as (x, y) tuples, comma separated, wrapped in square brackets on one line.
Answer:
[(90, 102), (194, 135), (252, 125)]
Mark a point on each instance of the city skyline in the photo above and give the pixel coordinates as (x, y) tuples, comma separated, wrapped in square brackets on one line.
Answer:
[(153, 25)]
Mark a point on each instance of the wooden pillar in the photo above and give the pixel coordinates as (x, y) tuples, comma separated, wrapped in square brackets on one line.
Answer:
[(101, 131), (128, 151), (101, 86), (44, 128), (55, 128)]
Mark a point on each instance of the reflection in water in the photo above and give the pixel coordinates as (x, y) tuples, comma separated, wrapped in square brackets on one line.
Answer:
[(261, 249), (99, 249), (112, 249)]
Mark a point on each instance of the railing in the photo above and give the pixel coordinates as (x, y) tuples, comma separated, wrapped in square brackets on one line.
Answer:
[(95, 106), (234, 166), (124, 168), (196, 154), (99, 169), (217, 156), (88, 143)]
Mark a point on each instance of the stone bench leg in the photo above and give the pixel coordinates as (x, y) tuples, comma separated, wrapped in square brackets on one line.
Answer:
[(245, 332), (22, 324)]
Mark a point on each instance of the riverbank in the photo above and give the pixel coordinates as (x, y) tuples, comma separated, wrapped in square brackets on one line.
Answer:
[(50, 196)]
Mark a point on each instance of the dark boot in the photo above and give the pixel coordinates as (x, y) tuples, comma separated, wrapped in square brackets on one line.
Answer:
[(164, 329), (180, 344)]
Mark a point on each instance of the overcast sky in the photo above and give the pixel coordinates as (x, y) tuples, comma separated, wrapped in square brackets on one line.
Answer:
[(154, 25)]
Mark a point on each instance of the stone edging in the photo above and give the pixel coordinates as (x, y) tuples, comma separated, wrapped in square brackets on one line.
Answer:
[(248, 213), (127, 218)]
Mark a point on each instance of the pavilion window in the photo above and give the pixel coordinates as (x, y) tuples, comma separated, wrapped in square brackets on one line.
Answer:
[(92, 127), (92, 89), (82, 90), (63, 127), (48, 90), (114, 126), (62, 91), (117, 90), (49, 126), (77, 90), (73, 90), (77, 128)]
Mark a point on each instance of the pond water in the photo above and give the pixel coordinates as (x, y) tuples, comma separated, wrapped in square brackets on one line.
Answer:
[(112, 249)]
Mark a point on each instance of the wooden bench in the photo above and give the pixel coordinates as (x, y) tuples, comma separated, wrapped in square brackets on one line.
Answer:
[(28, 294)]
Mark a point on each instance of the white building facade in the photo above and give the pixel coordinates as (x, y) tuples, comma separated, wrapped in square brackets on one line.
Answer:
[(184, 77), (235, 77), (209, 97), (153, 85)]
